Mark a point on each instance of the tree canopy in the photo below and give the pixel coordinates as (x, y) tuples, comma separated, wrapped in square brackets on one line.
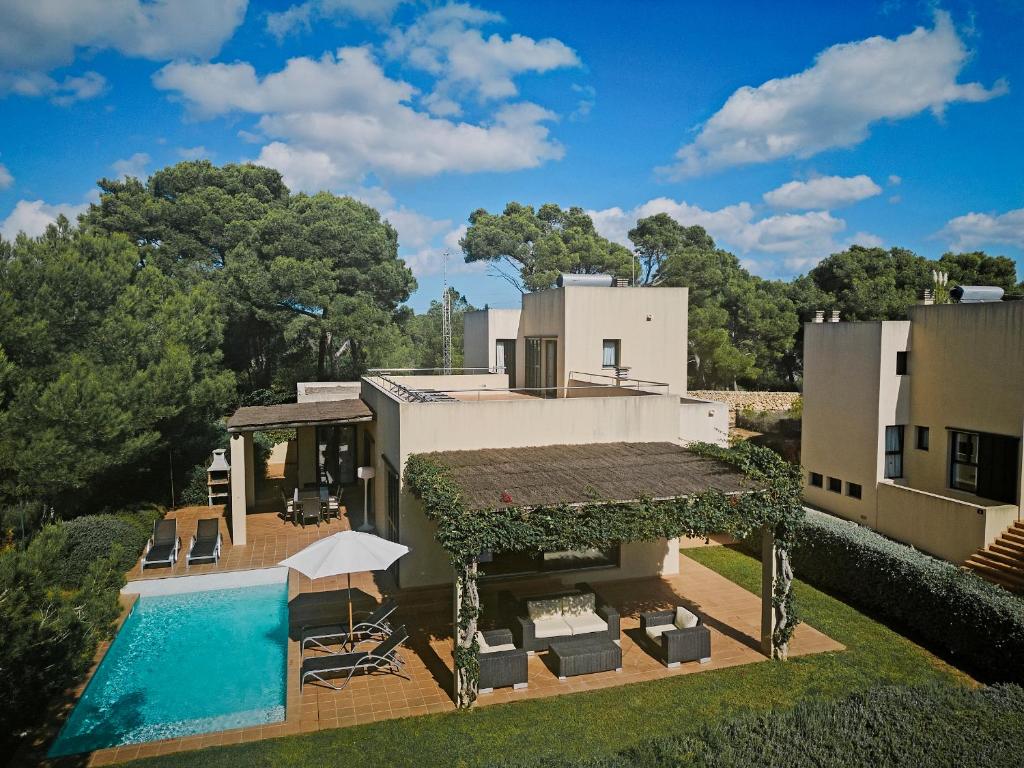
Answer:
[(104, 364), (530, 248), (304, 283)]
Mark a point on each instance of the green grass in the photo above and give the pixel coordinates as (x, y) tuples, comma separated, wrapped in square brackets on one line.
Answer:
[(602, 723)]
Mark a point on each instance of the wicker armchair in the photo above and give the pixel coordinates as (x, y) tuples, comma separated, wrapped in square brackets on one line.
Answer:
[(502, 668), (677, 645)]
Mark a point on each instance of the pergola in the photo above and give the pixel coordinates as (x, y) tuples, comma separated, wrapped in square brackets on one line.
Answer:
[(249, 419), (576, 496)]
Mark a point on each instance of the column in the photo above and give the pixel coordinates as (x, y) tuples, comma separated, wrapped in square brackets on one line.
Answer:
[(769, 574), (239, 470)]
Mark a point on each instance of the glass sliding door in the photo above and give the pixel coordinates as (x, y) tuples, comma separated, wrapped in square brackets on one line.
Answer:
[(533, 365), (550, 368)]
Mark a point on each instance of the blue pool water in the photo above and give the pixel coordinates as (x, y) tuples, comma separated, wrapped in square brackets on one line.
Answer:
[(185, 664)]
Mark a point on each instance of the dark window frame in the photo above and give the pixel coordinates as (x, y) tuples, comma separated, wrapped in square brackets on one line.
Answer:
[(816, 480), (902, 363), (835, 485), (534, 564), (922, 436), (894, 452), (617, 346), (954, 461), (854, 494)]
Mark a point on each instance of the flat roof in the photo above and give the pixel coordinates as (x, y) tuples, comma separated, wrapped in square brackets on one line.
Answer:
[(577, 474), (289, 415)]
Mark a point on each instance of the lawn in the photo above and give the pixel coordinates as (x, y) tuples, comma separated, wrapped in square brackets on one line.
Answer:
[(601, 723)]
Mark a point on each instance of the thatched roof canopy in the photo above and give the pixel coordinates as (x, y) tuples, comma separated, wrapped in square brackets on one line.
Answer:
[(291, 415), (578, 474)]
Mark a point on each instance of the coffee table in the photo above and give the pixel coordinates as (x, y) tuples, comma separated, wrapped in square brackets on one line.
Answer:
[(585, 654)]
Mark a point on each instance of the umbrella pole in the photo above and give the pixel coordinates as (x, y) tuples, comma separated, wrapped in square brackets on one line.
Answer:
[(350, 610)]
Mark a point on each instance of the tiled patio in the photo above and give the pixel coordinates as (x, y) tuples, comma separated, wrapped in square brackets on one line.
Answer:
[(732, 614)]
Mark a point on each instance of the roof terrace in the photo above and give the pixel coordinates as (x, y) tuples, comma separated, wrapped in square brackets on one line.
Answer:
[(435, 385)]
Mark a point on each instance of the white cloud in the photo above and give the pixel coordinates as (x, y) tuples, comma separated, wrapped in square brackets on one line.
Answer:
[(422, 242), (131, 166), (301, 17), (33, 216), (973, 230), (42, 34), (447, 43), (6, 179), (193, 153), (822, 192), (834, 102), (332, 120), (894, 180), (796, 240), (74, 88)]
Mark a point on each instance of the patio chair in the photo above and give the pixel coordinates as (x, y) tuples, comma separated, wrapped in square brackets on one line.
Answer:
[(163, 546), (384, 657), (374, 627), (678, 634), (309, 509), (205, 545), (501, 663)]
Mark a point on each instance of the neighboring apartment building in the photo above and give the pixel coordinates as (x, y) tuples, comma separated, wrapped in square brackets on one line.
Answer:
[(914, 427), (575, 365)]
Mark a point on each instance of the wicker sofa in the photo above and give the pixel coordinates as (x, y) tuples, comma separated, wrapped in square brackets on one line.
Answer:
[(679, 635), (501, 663), (536, 621)]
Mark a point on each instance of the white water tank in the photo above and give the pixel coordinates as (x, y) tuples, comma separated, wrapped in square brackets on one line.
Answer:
[(593, 281), (976, 294)]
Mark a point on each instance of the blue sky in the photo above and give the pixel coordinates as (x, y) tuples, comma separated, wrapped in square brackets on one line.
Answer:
[(788, 131)]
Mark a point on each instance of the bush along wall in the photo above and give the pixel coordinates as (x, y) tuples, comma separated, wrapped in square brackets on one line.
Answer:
[(976, 624)]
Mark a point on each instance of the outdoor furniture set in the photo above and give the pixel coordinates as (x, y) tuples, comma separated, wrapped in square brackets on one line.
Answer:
[(313, 504), (164, 545)]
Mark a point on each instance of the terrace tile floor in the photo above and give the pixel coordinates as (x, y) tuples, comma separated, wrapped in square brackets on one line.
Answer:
[(732, 613)]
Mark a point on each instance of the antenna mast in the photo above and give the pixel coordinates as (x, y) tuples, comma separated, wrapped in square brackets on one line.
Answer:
[(446, 321)]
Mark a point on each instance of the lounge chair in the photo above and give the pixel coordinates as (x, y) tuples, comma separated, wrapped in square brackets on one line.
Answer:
[(374, 627), (163, 546), (344, 665), (205, 545)]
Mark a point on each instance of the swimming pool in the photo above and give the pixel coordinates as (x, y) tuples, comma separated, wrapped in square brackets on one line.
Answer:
[(185, 662)]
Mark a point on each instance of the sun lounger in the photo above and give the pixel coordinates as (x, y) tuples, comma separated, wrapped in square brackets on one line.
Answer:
[(205, 545), (374, 627), (163, 546), (384, 657)]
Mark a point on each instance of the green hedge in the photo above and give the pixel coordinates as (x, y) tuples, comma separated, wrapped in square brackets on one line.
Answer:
[(937, 725), (978, 625)]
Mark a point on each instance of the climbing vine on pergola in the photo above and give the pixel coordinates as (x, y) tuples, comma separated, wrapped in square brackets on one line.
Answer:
[(772, 506)]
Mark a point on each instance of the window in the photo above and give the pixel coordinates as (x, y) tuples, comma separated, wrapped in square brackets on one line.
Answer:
[(816, 479), (610, 353), (894, 451), (393, 531), (901, 363), (533, 363), (853, 490), (835, 485), (523, 563), (984, 464), (922, 438)]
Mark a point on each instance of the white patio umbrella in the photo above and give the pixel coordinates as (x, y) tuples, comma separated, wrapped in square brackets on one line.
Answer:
[(346, 552)]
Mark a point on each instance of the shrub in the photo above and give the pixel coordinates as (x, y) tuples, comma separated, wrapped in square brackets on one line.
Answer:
[(937, 725), (977, 624), (94, 537)]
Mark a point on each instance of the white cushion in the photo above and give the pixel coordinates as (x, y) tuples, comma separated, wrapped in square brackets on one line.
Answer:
[(505, 647), (484, 647), (658, 630), (583, 623), (554, 627), (685, 619), (575, 605), (539, 610)]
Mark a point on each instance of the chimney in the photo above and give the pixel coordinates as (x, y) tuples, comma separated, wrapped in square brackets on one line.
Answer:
[(819, 315), (835, 316)]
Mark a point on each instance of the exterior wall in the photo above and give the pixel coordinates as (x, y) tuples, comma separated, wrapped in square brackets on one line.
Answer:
[(942, 526), (703, 421), (965, 370), (840, 435), (543, 315), (481, 329), (651, 324)]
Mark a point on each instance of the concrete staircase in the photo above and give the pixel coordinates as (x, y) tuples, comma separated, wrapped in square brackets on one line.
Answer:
[(1002, 562)]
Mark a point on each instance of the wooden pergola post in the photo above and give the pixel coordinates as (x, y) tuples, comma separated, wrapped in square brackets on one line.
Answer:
[(466, 620), (776, 578)]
